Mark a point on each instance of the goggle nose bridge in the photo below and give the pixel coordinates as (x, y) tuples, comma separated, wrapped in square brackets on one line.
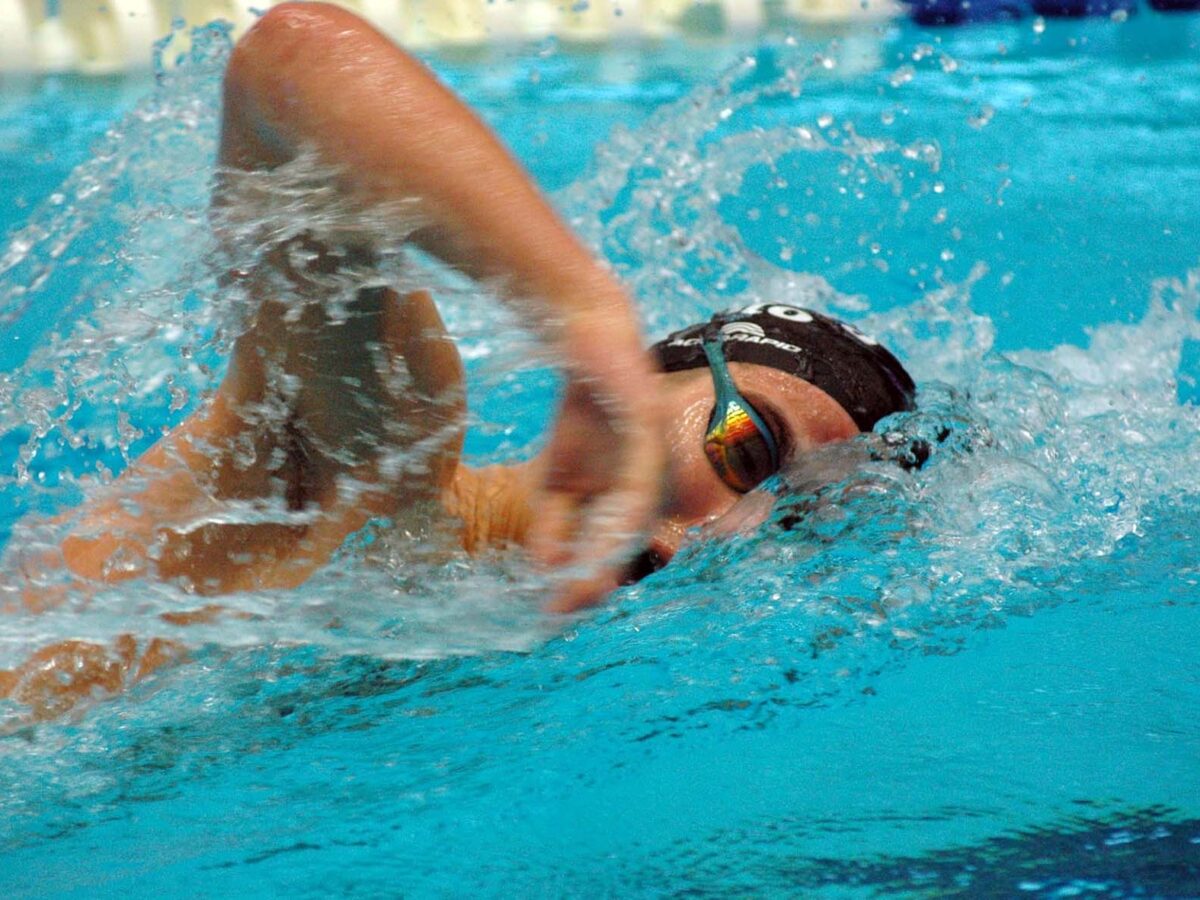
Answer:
[(729, 403)]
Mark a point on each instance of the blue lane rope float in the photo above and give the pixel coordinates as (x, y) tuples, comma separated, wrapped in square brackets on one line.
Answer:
[(963, 12), (1080, 8)]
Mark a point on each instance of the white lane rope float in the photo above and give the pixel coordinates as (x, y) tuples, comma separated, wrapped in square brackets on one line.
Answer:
[(112, 36)]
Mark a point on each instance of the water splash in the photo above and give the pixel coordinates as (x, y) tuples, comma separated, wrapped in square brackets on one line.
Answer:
[(1056, 479), (95, 296), (858, 567)]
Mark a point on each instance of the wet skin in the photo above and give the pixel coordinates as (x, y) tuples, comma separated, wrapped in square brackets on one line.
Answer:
[(303, 79), (494, 505), (695, 502)]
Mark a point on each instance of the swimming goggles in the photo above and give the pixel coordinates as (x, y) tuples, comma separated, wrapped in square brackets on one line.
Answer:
[(738, 443)]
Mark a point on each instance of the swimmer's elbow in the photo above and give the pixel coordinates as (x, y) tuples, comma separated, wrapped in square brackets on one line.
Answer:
[(279, 84), (292, 39), (292, 27)]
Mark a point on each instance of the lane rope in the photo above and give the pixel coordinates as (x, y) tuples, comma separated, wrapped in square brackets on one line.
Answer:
[(112, 36)]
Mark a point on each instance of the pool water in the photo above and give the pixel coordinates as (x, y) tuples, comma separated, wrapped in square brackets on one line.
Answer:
[(974, 679)]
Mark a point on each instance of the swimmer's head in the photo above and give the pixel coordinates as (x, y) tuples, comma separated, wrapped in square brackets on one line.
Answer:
[(849, 366), (778, 382)]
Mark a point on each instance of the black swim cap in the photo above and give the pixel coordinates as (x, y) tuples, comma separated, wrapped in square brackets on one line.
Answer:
[(850, 367)]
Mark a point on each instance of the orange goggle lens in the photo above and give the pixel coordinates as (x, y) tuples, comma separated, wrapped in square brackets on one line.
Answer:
[(740, 446)]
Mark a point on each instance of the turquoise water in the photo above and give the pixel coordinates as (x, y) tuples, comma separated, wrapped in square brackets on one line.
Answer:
[(977, 679)]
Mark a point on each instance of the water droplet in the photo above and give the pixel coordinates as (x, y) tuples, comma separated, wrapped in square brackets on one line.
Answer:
[(984, 116), (901, 76)]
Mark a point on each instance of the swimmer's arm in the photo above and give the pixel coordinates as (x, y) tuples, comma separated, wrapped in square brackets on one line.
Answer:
[(129, 531), (60, 676), (314, 78), (233, 500), (178, 513)]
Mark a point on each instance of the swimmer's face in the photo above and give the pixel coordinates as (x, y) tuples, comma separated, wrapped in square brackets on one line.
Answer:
[(800, 415)]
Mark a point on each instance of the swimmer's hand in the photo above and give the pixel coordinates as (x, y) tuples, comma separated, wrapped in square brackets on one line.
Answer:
[(602, 469)]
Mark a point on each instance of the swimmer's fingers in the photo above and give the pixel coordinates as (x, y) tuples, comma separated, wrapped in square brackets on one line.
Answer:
[(415, 332), (425, 361), (600, 487), (581, 593), (570, 533), (606, 533), (554, 521)]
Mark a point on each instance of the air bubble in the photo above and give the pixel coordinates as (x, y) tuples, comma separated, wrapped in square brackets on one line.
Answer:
[(901, 76), (983, 117)]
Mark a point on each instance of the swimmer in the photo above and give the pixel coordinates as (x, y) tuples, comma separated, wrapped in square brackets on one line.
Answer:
[(317, 414)]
